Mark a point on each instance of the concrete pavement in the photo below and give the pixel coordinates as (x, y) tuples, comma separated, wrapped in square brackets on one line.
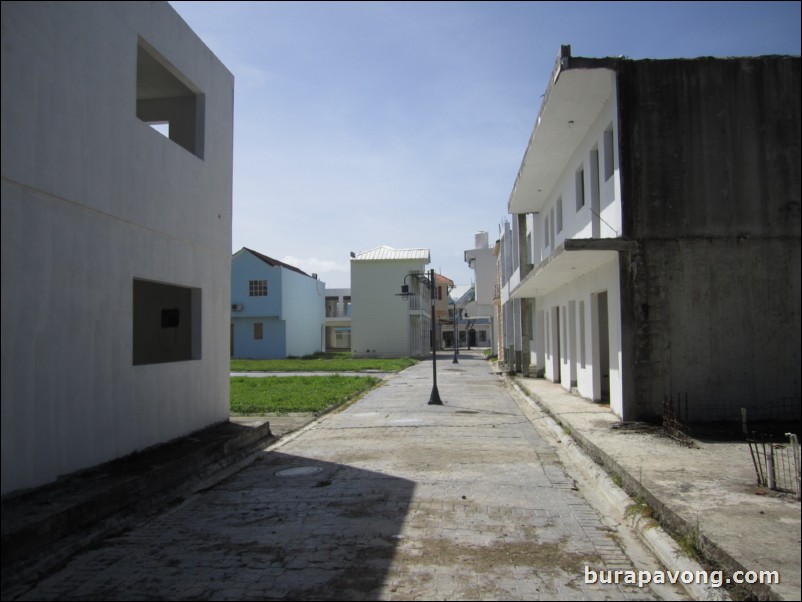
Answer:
[(393, 499), (704, 493), (389, 498)]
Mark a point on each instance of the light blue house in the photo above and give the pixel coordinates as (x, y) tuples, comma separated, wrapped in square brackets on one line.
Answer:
[(277, 310)]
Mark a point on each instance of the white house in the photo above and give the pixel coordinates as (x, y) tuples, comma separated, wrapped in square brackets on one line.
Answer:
[(483, 263), (116, 239), (655, 246), (277, 310), (384, 323)]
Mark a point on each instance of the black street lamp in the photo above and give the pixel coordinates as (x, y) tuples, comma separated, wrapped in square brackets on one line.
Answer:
[(456, 333), (434, 398)]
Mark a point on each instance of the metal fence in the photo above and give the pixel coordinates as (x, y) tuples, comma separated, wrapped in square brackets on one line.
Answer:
[(777, 465)]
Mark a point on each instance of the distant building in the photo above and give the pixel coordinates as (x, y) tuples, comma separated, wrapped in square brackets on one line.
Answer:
[(383, 323), (116, 238), (338, 319), (474, 328), (444, 324), (655, 246), (483, 263), (277, 310)]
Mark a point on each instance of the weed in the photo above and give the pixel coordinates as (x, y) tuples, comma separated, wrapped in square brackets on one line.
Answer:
[(690, 542), (639, 508)]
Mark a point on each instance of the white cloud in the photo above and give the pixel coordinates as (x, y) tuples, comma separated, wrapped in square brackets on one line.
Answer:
[(335, 274)]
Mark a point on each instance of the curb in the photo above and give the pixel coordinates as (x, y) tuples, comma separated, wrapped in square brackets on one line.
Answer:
[(600, 467)]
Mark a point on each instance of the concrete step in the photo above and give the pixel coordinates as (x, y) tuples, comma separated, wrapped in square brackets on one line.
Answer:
[(43, 527)]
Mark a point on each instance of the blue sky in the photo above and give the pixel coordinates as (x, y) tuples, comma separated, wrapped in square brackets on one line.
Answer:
[(360, 124)]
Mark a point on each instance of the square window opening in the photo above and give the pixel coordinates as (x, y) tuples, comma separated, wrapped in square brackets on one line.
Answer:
[(168, 101), (166, 323)]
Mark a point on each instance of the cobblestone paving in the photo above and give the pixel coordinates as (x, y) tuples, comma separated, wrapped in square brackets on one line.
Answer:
[(390, 499)]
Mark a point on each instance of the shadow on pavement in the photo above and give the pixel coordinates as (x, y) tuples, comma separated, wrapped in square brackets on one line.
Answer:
[(286, 527)]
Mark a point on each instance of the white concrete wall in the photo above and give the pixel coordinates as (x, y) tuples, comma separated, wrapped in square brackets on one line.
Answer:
[(579, 223), (93, 198), (576, 297), (484, 267), (380, 324), (304, 311)]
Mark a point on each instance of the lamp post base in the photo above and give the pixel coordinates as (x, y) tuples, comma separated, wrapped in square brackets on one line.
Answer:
[(434, 398)]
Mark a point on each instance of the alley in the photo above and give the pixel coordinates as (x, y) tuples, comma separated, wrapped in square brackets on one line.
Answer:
[(389, 499)]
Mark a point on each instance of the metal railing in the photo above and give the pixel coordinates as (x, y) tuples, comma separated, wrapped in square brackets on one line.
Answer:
[(777, 465)]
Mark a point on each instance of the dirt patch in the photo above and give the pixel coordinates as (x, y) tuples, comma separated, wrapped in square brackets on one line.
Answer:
[(543, 556)]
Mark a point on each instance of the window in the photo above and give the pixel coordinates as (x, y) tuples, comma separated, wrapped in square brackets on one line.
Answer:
[(529, 251), (559, 215), (595, 193), (257, 288), (580, 189), (168, 101), (582, 333), (609, 158), (258, 331), (166, 323), (546, 232)]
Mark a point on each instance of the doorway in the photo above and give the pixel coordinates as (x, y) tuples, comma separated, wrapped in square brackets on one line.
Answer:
[(601, 347)]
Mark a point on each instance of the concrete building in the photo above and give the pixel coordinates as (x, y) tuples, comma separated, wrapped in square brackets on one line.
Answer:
[(383, 323), (483, 263), (474, 328), (277, 310), (655, 248), (116, 240), (338, 319), (443, 324)]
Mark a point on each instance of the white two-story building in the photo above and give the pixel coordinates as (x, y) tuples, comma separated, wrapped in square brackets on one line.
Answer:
[(654, 249), (384, 323), (117, 138)]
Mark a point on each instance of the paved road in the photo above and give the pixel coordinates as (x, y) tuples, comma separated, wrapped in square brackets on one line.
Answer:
[(388, 499)]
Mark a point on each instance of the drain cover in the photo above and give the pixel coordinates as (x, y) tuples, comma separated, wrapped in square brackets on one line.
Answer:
[(298, 471)]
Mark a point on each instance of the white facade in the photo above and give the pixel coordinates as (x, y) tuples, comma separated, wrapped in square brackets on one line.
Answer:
[(383, 323), (115, 239), (570, 200), (633, 224), (483, 263)]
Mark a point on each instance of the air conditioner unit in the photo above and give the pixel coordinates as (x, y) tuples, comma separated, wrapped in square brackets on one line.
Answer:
[(236, 307)]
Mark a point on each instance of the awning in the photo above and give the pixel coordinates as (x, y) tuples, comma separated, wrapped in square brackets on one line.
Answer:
[(571, 260)]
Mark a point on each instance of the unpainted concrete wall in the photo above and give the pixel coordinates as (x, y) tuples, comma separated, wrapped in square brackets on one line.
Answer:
[(710, 165), (720, 322), (710, 147)]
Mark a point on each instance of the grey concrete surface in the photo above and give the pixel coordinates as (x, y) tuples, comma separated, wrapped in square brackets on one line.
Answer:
[(705, 492), (389, 498)]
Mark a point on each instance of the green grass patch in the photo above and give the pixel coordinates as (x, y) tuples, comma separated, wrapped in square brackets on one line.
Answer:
[(323, 362), (291, 394)]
